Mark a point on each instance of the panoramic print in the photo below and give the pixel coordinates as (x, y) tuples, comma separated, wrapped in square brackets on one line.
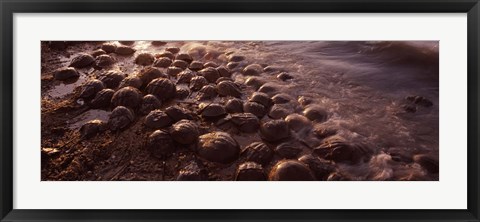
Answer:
[(239, 110)]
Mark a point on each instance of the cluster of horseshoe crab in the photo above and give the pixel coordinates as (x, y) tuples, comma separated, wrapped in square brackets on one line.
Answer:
[(198, 106)]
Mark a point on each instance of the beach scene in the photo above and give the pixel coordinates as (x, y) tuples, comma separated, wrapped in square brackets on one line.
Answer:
[(164, 110)]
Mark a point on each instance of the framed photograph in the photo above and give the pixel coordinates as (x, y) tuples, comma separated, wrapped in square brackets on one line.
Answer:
[(252, 111)]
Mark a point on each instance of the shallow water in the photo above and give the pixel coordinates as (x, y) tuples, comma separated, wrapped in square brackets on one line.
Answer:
[(362, 85)]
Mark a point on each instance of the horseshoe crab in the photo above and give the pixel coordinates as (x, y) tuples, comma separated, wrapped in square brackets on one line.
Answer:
[(185, 132), (65, 73), (103, 61), (261, 98), (224, 72), (180, 64), (98, 52), (144, 59), (234, 106), (82, 60), (246, 122), (91, 88), (166, 54), (173, 50), (102, 99), (185, 76), (258, 152), (157, 119), (160, 144), (92, 128), (250, 171), (162, 62), (184, 57), (124, 50), (288, 150), (315, 113), (132, 81), (211, 74), (120, 118), (149, 103), (109, 47), (197, 82), (212, 110), (274, 130), (256, 109), (149, 74), (297, 122), (281, 98), (321, 168), (228, 88), (178, 113), (162, 88), (173, 71), (339, 150), (291, 170), (253, 70), (111, 79), (181, 92), (254, 82), (128, 97), (207, 92), (284, 76), (218, 147), (196, 65)]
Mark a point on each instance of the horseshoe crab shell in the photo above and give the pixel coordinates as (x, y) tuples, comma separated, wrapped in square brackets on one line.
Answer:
[(339, 150), (128, 97), (157, 119), (124, 50), (274, 130), (321, 168), (111, 79), (160, 144), (315, 113), (144, 59), (258, 152), (250, 171), (246, 122), (149, 74), (65, 73), (218, 147), (120, 118), (103, 61), (82, 60), (149, 103), (162, 62), (228, 88), (91, 88), (234, 106), (212, 110), (256, 109), (185, 132), (102, 99), (290, 170), (162, 88), (197, 82), (211, 74), (261, 98)]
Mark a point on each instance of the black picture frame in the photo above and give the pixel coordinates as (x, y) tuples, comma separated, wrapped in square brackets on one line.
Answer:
[(9, 7)]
